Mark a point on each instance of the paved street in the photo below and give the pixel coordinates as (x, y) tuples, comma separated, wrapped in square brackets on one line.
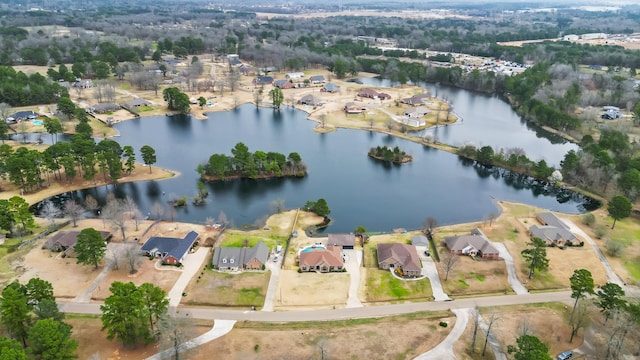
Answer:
[(342, 314)]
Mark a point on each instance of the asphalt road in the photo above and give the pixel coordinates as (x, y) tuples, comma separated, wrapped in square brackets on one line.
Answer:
[(343, 314)]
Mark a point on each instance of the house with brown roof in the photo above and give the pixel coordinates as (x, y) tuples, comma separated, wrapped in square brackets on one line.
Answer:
[(475, 245), (64, 241), (320, 259), (343, 241), (401, 257), (283, 84), (553, 231), (419, 99), (353, 108)]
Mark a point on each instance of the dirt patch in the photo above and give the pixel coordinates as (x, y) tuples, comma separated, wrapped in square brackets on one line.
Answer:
[(213, 288), (311, 290), (474, 277), (92, 341), (353, 339), (545, 321)]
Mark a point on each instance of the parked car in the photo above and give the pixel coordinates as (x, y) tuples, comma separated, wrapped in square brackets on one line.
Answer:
[(426, 252), (275, 258), (565, 355)]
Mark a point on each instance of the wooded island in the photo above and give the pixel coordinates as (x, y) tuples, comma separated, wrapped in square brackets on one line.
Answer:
[(257, 165)]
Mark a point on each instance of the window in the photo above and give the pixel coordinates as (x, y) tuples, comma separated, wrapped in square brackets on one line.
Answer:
[(224, 261), (231, 261)]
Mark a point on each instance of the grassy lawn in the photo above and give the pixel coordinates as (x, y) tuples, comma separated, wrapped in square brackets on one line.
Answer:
[(144, 108), (382, 286), (237, 239), (214, 288)]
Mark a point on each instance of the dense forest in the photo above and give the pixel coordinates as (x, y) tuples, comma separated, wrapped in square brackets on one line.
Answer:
[(245, 164)]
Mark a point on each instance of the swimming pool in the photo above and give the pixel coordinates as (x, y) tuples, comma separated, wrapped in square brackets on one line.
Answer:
[(313, 248), (36, 122)]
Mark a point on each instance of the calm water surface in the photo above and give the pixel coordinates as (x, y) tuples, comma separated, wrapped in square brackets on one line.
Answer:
[(359, 190)]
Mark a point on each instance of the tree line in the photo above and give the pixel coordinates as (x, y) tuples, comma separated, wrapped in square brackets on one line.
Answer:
[(245, 164), (19, 89)]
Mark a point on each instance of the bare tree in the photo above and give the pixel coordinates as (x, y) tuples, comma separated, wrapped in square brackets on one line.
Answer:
[(209, 221), (91, 204), (276, 206), (113, 257), (133, 211), (50, 212), (428, 226), (116, 213), (222, 218), (173, 332), (492, 319), (133, 258), (5, 111), (173, 213), (157, 210), (476, 324), (492, 217), (578, 319), (449, 261), (74, 211)]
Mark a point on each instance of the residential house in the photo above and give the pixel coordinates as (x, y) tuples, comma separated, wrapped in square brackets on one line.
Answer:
[(553, 230), (330, 88), (83, 83), (310, 100), (399, 256), (235, 259), (64, 241), (372, 94), (419, 240), (247, 70), (419, 99), (476, 245), (21, 116), (414, 122), (283, 84), (317, 79), (416, 112), (343, 241), (103, 108), (262, 80), (294, 76), (170, 250), (353, 108), (322, 260), (137, 102)]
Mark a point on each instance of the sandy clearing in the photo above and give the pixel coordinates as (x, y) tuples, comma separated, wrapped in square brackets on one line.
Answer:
[(311, 290)]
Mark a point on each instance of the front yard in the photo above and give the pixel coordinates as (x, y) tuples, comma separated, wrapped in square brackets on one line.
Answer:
[(382, 286), (213, 288)]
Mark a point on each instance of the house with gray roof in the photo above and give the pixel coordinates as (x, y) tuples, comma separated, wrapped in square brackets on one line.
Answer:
[(401, 257), (419, 240), (553, 230), (103, 108), (419, 99), (137, 102), (64, 241), (170, 250), (235, 259), (283, 84), (330, 88), (310, 100), (476, 245), (316, 79)]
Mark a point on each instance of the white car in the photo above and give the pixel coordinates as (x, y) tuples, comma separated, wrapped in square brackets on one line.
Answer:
[(275, 258)]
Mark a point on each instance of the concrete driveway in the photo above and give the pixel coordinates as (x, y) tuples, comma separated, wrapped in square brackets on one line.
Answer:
[(444, 350), (430, 270), (514, 282), (353, 266), (270, 298), (612, 277), (220, 328), (192, 264)]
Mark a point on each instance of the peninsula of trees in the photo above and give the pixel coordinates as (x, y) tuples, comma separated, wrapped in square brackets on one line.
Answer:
[(387, 154), (257, 165)]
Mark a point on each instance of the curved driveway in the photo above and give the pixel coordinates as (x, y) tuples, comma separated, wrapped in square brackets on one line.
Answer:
[(220, 328), (444, 350)]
